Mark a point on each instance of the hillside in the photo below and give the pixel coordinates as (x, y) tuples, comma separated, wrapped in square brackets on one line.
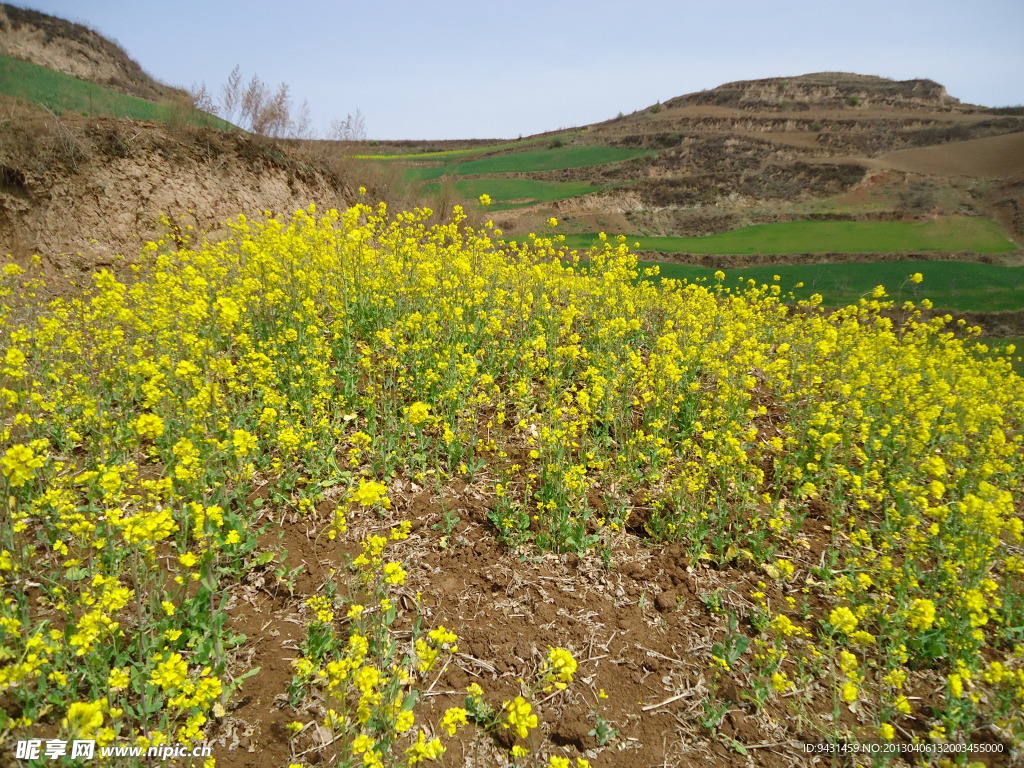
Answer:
[(701, 180), (754, 152), (63, 94), (76, 50), (823, 90), (729, 166), (78, 190)]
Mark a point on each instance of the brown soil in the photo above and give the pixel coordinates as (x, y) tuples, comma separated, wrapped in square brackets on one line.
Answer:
[(991, 157), (77, 191), (640, 628)]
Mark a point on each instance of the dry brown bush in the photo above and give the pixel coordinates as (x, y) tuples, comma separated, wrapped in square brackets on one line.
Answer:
[(256, 107)]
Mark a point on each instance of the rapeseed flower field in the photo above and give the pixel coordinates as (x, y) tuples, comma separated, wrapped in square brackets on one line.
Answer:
[(863, 464)]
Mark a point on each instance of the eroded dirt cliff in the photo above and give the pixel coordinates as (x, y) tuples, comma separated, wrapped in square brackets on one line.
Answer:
[(79, 191)]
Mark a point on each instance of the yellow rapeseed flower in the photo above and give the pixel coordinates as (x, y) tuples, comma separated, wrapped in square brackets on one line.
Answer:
[(843, 619), (19, 464), (369, 493), (921, 614), (559, 667), (417, 413), (84, 719), (452, 719), (520, 717), (170, 673), (149, 425)]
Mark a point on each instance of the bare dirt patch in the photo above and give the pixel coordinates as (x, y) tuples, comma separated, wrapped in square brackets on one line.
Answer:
[(641, 625), (990, 157)]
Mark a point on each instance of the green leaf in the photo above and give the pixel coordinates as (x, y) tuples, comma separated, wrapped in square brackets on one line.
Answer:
[(234, 641), (246, 675), (265, 557), (740, 645)]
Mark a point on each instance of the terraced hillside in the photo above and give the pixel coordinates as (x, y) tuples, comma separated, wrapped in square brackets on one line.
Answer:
[(830, 144), (827, 167)]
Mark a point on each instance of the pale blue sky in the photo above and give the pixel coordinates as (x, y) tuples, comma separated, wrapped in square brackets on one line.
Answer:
[(435, 70)]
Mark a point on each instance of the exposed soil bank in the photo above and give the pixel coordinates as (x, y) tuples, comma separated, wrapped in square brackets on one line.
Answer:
[(78, 191)]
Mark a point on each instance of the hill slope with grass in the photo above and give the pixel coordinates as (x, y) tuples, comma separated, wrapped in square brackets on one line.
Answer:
[(61, 94), (76, 50)]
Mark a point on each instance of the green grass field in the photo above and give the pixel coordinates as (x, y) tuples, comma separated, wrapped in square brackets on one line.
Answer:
[(950, 233), (512, 193), (953, 285), (521, 162), (456, 154), (62, 93)]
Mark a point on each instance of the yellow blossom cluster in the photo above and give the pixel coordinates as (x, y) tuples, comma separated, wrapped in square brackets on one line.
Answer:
[(146, 424)]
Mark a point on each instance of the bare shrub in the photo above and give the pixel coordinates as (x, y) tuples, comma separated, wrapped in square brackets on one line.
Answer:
[(351, 129), (66, 146), (231, 95), (202, 99), (335, 153), (256, 107), (302, 125)]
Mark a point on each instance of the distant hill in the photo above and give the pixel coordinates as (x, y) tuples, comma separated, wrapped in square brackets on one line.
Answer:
[(821, 146), (837, 90)]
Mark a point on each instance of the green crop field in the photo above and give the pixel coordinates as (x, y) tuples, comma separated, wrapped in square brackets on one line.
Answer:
[(63, 93), (511, 193), (521, 162), (949, 233), (954, 285), (456, 154)]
